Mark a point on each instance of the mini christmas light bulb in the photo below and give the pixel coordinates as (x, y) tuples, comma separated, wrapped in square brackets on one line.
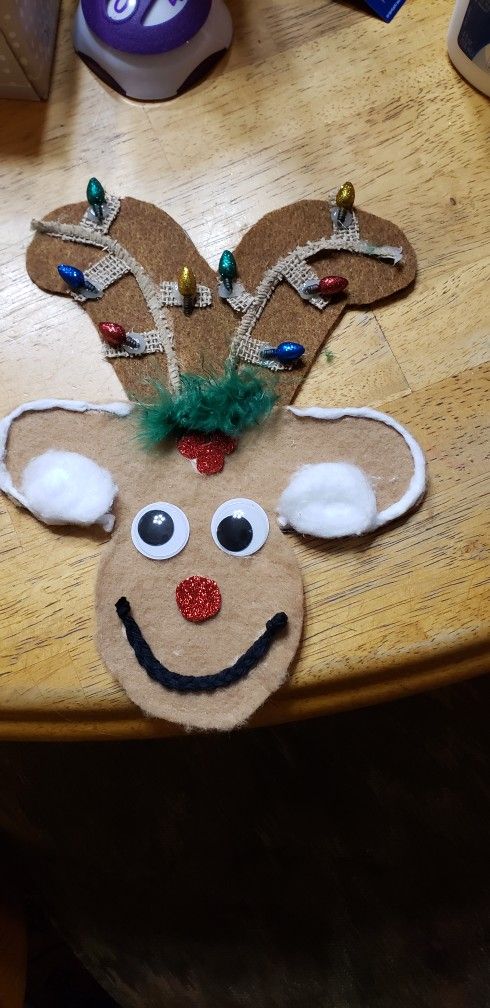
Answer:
[(96, 197), (345, 201), (76, 280), (187, 289), (112, 334), (227, 269), (333, 284), (286, 353), (327, 286), (116, 337)]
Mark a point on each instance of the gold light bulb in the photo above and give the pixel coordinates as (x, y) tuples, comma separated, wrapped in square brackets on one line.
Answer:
[(346, 196), (187, 288), (187, 282), (345, 201)]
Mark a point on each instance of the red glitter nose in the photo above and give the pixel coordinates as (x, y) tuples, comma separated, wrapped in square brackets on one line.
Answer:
[(198, 598)]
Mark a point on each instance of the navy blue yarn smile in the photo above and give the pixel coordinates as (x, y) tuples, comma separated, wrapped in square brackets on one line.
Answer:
[(189, 683)]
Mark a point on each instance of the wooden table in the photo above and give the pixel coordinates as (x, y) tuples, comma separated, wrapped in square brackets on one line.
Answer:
[(310, 94)]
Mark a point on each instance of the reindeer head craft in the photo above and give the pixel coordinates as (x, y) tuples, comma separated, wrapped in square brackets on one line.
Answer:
[(199, 597)]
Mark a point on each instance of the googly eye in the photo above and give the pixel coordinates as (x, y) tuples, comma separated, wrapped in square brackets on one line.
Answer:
[(240, 527), (160, 531)]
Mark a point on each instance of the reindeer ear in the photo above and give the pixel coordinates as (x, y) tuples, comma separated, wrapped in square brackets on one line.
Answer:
[(372, 472), (65, 488), (58, 486), (329, 499), (336, 472)]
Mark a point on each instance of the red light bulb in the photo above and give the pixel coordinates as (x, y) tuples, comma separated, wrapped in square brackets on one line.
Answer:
[(112, 334), (332, 284)]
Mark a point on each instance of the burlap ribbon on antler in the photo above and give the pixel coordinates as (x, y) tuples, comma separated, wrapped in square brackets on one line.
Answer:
[(141, 248)]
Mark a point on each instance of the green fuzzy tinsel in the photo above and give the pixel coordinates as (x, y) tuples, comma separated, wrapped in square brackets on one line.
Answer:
[(229, 403)]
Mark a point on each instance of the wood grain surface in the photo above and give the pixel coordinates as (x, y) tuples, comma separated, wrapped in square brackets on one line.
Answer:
[(310, 94)]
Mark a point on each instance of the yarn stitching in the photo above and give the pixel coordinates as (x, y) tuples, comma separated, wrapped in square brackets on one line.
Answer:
[(196, 684)]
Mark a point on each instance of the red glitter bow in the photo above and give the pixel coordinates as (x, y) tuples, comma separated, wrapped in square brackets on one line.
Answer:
[(208, 450)]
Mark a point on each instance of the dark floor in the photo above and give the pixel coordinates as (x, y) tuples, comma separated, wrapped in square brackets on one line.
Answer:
[(341, 863), (56, 978)]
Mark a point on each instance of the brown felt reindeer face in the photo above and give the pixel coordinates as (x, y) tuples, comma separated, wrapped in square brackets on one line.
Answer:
[(199, 568), (199, 598)]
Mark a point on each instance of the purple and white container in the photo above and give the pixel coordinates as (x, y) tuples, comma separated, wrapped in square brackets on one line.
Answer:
[(151, 49)]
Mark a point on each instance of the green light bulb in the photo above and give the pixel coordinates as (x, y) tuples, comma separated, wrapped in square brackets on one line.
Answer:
[(227, 269), (96, 196)]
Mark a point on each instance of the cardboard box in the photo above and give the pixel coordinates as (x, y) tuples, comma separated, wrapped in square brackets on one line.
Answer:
[(27, 38)]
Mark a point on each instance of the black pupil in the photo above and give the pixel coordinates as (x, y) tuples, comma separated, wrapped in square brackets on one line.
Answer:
[(234, 532), (156, 528)]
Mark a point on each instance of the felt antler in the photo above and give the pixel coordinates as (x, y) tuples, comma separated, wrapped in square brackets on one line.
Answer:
[(145, 254), (295, 269), (125, 263)]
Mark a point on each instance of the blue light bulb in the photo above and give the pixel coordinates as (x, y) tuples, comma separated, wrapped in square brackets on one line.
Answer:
[(75, 279), (286, 353)]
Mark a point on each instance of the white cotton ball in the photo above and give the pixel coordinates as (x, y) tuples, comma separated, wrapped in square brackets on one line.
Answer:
[(64, 488), (329, 499)]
